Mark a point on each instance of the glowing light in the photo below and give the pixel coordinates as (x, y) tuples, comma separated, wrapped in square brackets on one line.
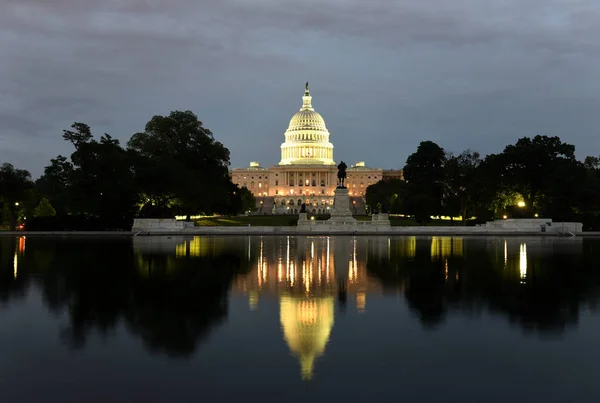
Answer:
[(505, 216), (521, 203), (505, 252), (536, 215), (523, 262)]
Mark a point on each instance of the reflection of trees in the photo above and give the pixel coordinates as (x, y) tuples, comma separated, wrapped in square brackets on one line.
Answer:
[(171, 303), (536, 285)]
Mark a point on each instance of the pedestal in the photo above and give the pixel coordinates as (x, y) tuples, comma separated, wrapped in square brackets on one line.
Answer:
[(303, 220), (341, 213), (381, 220)]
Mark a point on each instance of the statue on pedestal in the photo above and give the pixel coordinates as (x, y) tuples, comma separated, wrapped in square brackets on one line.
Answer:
[(341, 174)]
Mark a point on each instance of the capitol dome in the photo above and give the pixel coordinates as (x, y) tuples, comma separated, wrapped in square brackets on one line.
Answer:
[(307, 120), (307, 137)]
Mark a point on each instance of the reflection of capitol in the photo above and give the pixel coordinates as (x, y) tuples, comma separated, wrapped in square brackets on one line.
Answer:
[(306, 324), (306, 274)]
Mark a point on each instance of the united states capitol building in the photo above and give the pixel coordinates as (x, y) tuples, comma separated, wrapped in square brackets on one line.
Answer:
[(307, 171)]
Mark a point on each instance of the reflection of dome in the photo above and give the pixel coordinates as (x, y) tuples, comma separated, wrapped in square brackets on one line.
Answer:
[(307, 138), (306, 324)]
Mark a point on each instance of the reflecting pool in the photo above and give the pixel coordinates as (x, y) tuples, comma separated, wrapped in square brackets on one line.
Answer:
[(299, 319)]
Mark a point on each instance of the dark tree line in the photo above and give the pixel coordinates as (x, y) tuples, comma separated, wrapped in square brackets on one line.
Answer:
[(174, 167), (171, 303), (537, 176)]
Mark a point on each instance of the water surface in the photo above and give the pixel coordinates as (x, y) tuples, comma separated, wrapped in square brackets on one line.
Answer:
[(299, 319)]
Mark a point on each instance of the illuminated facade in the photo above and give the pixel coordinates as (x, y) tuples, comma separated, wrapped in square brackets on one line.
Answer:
[(307, 172)]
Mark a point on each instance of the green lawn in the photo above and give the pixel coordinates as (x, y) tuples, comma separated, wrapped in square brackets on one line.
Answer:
[(291, 220)]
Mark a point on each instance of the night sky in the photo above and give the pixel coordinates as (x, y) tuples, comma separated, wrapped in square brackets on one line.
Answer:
[(385, 75)]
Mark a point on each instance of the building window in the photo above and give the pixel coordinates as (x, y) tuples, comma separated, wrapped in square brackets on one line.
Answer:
[(259, 184), (251, 184), (252, 177), (283, 202), (276, 183), (276, 191), (299, 202), (322, 182), (300, 182), (314, 182)]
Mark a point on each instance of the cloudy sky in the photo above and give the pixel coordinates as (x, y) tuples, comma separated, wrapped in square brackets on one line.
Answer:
[(385, 74)]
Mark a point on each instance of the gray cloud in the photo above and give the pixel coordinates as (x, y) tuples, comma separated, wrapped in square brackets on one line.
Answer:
[(466, 73)]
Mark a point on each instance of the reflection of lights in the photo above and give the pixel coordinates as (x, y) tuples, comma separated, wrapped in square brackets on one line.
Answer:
[(446, 269), (327, 265), (523, 262), (18, 251), (196, 247), (354, 262), (351, 272), (411, 247), (16, 265), (445, 246), (306, 277), (253, 300), (361, 301), (505, 252)]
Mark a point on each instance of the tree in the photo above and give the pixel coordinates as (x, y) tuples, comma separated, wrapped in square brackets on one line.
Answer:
[(44, 209), (461, 183), (530, 166), (56, 182), (247, 200), (15, 187), (182, 165), (424, 172), (388, 194), (97, 181)]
